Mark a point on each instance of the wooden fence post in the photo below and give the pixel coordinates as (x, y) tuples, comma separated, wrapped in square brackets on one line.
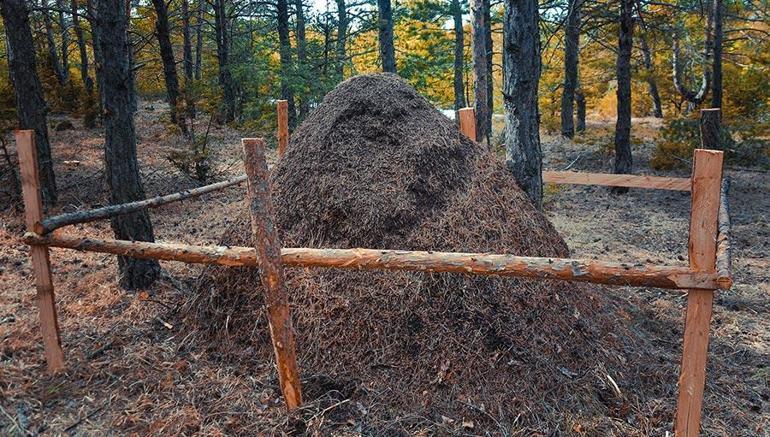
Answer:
[(41, 265), (283, 126), (468, 122), (706, 189), (268, 247)]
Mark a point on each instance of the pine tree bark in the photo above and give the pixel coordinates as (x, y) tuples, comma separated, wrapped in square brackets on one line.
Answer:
[(718, 39), (97, 48), (385, 25), (65, 40), (580, 102), (88, 83), (623, 160), (287, 64), (652, 84), (459, 59), (187, 54), (199, 38), (342, 36), (571, 65), (481, 71), (163, 34), (31, 108), (304, 103), (53, 53), (122, 168), (521, 74), (490, 53), (223, 58)]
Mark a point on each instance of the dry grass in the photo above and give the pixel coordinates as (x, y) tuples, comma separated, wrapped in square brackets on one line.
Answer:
[(129, 373)]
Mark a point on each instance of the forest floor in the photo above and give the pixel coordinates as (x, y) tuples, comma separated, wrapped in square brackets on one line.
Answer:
[(131, 368)]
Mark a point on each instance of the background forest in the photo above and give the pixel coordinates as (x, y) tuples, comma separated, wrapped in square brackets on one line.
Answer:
[(233, 58)]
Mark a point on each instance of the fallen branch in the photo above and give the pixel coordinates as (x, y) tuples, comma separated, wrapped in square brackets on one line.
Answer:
[(671, 277), (50, 224)]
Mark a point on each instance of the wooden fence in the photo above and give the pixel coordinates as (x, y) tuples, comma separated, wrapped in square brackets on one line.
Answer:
[(709, 252)]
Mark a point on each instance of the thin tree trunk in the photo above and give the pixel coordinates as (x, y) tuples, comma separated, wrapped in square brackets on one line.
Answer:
[(459, 61), (716, 87), (387, 49), (65, 40), (31, 108), (287, 65), (223, 57), (580, 102), (163, 33), (481, 71), (623, 160), (490, 53), (521, 67), (652, 84), (53, 53), (187, 42), (304, 103), (122, 167), (199, 38), (97, 47), (342, 36), (88, 83), (571, 64)]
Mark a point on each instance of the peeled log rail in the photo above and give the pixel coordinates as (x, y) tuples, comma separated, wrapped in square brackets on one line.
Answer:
[(724, 258), (617, 180), (50, 224), (671, 277)]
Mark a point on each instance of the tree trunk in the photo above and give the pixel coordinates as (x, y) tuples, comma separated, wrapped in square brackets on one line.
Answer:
[(223, 58), (98, 56), (88, 83), (199, 38), (53, 54), (122, 167), (623, 162), (490, 52), (31, 108), (571, 62), (187, 42), (481, 71), (385, 25), (521, 73), (304, 103), (652, 84), (65, 40), (580, 102), (163, 33), (716, 87), (287, 65), (459, 61), (342, 34)]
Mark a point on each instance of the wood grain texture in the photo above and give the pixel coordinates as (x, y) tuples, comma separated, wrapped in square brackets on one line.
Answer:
[(617, 180), (268, 251), (468, 122), (706, 189), (41, 264), (282, 108), (50, 224), (724, 255), (484, 264)]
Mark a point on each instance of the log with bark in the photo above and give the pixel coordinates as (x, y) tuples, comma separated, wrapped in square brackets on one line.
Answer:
[(670, 277)]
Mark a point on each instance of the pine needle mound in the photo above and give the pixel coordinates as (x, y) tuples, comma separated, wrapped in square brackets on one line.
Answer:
[(375, 165)]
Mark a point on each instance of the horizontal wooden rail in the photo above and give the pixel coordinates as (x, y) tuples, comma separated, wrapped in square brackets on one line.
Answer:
[(50, 224), (617, 180), (724, 257), (670, 277)]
